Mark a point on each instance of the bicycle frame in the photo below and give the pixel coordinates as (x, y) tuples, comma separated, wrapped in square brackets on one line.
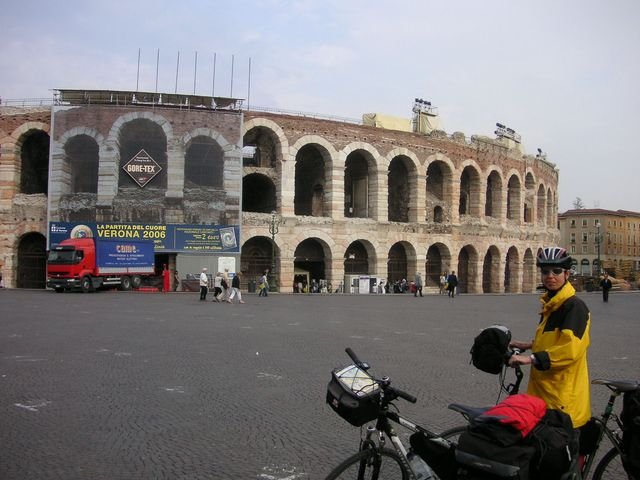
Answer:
[(383, 429), (603, 421)]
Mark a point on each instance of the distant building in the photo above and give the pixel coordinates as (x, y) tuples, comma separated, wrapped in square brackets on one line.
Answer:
[(610, 236)]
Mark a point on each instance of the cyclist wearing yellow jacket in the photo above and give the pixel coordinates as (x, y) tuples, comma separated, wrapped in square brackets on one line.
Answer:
[(560, 375)]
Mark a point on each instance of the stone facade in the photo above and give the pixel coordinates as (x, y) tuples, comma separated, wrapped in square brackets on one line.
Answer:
[(495, 252), (348, 199), (609, 236), (22, 215)]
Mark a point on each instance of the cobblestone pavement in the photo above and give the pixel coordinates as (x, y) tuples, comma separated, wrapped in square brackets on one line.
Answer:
[(116, 385)]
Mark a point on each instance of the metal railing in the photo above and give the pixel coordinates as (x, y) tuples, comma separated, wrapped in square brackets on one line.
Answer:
[(26, 102), (298, 113)]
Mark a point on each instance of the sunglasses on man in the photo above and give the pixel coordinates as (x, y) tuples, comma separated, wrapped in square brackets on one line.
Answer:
[(556, 271)]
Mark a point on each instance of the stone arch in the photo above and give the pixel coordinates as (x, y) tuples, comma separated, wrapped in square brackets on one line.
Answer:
[(361, 187), (514, 197), (405, 200), (468, 270), (494, 206), (541, 200), (282, 153), (512, 271), (439, 187), (313, 255), (401, 188), (261, 148), (82, 157), (529, 273), (258, 193), (207, 132), (32, 261), (32, 148), (111, 159), (256, 255), (204, 158), (550, 199), (312, 178), (75, 131), (470, 186), (359, 258), (438, 260), (530, 204), (401, 261), (491, 271)]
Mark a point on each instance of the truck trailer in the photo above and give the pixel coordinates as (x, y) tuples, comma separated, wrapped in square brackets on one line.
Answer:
[(88, 264)]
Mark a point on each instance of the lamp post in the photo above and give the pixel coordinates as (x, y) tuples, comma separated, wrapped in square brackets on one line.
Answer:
[(598, 247), (273, 230)]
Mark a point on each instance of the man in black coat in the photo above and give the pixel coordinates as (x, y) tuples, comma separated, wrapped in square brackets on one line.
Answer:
[(606, 285), (452, 283)]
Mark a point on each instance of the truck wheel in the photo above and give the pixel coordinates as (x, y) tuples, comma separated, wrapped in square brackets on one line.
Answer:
[(86, 284), (136, 281), (125, 283)]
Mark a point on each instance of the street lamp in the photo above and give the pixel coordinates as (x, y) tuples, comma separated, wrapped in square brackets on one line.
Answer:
[(598, 247), (273, 230)]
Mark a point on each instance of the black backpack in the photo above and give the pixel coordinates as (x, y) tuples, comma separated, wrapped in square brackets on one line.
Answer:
[(556, 446), (630, 417), (490, 350)]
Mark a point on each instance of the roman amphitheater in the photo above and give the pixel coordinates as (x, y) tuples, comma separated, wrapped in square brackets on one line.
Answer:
[(318, 199)]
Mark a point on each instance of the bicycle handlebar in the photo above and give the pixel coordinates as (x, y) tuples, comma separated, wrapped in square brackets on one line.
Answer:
[(385, 382), (356, 360), (402, 394)]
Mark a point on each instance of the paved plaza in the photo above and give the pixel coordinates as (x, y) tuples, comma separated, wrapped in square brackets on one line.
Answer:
[(116, 385)]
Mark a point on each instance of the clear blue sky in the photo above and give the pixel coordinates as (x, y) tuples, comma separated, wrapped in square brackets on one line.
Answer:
[(564, 74)]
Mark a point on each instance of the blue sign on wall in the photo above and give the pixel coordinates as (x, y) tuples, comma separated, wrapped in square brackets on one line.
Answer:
[(166, 237)]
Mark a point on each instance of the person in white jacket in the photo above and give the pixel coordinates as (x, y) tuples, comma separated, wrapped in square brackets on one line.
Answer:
[(204, 284)]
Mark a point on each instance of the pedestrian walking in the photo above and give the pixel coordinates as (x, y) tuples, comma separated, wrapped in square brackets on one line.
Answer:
[(264, 285), (606, 285), (217, 287), (418, 284), (235, 288), (452, 283), (176, 281), (204, 284), (225, 285), (443, 282)]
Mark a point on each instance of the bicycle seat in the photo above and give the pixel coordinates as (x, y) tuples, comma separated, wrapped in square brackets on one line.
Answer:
[(467, 411), (619, 386)]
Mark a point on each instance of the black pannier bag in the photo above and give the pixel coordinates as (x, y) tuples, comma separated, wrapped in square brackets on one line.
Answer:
[(354, 395), (501, 442), (630, 417), (438, 453), (480, 456), (589, 435), (490, 350), (556, 446)]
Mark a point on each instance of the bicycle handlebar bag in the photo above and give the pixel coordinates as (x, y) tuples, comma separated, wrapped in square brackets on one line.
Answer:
[(490, 350), (354, 395)]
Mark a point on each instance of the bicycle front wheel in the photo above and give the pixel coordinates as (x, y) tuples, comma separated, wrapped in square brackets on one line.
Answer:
[(371, 464), (610, 467)]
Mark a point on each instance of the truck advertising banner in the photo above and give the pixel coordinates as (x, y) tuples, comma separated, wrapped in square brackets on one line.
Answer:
[(169, 238), (125, 255)]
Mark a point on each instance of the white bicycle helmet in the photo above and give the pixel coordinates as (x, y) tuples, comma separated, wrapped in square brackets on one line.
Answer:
[(554, 257)]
